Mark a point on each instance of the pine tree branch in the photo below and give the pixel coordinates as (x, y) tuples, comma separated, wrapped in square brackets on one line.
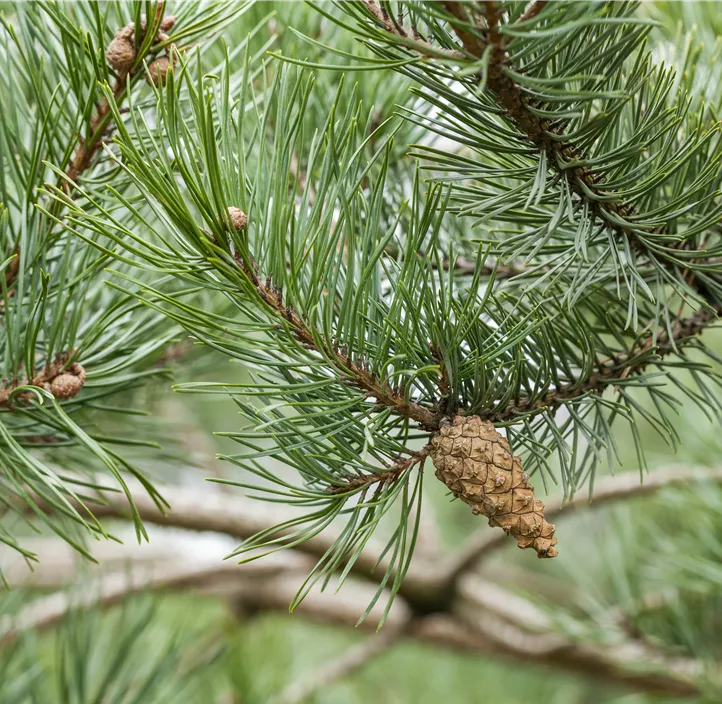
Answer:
[(210, 511), (414, 41), (550, 137), (243, 518), (82, 160), (519, 109), (609, 371), (515, 104), (87, 149), (100, 122), (542, 133), (353, 372), (492, 22), (614, 369)]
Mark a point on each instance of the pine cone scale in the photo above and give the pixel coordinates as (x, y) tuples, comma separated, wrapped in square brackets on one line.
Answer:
[(475, 462)]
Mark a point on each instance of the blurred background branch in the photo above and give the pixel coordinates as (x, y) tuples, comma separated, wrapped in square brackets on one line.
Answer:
[(470, 609)]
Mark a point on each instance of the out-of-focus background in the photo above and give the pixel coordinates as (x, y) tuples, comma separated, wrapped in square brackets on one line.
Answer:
[(630, 611)]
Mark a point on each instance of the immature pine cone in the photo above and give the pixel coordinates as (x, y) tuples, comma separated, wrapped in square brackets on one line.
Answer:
[(476, 463), (67, 384), (158, 70), (121, 53), (239, 220)]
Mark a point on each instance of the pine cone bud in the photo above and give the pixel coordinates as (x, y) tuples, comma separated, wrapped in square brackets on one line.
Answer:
[(121, 53), (67, 384), (167, 23), (158, 70), (239, 220), (475, 462)]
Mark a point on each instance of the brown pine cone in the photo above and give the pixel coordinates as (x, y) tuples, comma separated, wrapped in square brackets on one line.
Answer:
[(121, 53), (475, 462), (67, 384)]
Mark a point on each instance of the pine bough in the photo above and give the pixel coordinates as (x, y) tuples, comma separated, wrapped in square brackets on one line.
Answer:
[(541, 259)]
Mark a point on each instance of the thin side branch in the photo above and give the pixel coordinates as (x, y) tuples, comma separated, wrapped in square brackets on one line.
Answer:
[(87, 149), (216, 512), (100, 122), (414, 41), (546, 136), (366, 481)]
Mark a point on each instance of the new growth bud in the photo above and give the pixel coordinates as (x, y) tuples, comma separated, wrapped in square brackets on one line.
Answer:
[(239, 220), (67, 384), (121, 53)]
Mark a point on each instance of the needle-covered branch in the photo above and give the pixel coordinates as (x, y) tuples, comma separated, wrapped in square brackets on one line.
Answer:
[(652, 347), (124, 57), (524, 112), (342, 295), (509, 56), (354, 372), (69, 340)]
